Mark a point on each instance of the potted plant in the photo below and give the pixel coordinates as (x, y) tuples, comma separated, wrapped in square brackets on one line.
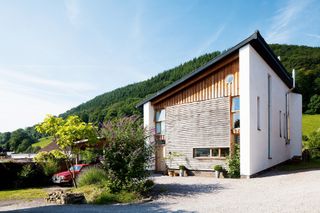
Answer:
[(182, 170), (171, 156), (218, 169)]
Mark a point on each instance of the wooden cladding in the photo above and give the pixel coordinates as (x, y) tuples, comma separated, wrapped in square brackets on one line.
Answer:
[(210, 85)]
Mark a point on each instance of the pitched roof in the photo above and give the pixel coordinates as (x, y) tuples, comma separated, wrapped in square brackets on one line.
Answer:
[(257, 42)]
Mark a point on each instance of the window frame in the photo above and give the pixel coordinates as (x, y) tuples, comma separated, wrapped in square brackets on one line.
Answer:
[(211, 153)]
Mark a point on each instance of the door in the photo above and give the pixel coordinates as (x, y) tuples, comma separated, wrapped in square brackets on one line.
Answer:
[(160, 160)]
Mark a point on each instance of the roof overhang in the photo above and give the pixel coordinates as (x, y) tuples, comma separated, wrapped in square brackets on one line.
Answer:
[(256, 41)]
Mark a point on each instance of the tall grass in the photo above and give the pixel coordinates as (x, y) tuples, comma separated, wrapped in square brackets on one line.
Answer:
[(92, 176)]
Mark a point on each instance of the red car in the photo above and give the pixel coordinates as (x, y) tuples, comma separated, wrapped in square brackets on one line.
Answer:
[(65, 176)]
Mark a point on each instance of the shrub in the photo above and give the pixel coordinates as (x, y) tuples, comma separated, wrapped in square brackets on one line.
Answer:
[(90, 155), (91, 176), (234, 163), (50, 161), (182, 167), (126, 155), (218, 168), (313, 144)]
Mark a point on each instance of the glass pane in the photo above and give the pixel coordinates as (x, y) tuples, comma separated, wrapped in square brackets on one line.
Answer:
[(202, 152), (229, 79), (160, 115), (235, 104), (236, 139), (224, 152), (163, 129), (158, 128), (236, 120), (215, 152)]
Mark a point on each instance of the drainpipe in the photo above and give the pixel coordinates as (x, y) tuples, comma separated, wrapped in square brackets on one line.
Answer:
[(287, 104)]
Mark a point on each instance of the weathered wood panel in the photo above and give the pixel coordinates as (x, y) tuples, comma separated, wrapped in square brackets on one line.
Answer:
[(204, 124), (210, 86)]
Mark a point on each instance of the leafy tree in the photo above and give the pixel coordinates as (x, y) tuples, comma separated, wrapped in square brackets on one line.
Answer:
[(126, 154), (314, 105), (50, 161), (66, 132)]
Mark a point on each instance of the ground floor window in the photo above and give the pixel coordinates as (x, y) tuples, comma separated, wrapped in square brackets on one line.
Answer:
[(218, 152)]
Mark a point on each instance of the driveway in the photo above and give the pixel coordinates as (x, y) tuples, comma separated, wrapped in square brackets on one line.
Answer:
[(275, 192)]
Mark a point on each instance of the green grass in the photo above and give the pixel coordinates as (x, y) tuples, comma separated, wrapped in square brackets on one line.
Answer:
[(43, 142), (22, 194), (301, 165), (310, 123)]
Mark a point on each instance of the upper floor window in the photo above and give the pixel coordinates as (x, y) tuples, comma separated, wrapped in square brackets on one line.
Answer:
[(229, 79), (235, 109), (160, 121), (235, 104)]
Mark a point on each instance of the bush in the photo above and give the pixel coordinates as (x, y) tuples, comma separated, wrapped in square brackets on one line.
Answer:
[(91, 176), (90, 155), (234, 163), (182, 167), (313, 144), (127, 155), (218, 168), (314, 105), (50, 161)]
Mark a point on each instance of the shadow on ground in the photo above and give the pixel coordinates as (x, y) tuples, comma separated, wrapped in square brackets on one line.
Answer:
[(184, 190)]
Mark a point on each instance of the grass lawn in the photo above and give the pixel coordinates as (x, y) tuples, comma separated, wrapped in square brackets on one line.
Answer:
[(21, 194), (43, 142), (310, 123)]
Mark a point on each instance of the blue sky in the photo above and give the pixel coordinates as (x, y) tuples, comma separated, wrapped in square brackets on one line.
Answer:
[(55, 55)]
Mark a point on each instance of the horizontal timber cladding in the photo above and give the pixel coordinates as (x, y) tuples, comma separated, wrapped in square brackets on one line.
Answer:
[(210, 85), (204, 124)]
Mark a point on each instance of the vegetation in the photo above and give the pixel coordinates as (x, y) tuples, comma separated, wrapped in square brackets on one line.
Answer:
[(234, 163), (22, 194), (50, 161), (43, 142), (312, 144), (218, 168), (126, 154), (65, 132), (92, 176), (310, 123)]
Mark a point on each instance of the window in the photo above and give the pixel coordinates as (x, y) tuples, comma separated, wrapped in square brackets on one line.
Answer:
[(229, 79), (235, 109), (160, 121), (211, 152), (280, 114), (201, 152), (236, 138), (258, 113)]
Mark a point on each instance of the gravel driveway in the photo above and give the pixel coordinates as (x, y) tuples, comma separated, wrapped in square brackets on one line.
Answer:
[(275, 192)]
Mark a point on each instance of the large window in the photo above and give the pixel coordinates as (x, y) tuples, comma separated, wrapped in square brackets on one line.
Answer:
[(235, 110), (160, 122), (221, 152)]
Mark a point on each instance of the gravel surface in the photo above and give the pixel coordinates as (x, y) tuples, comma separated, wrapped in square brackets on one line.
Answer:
[(275, 192)]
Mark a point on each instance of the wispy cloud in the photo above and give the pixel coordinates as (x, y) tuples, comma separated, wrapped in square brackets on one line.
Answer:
[(313, 35), (73, 10), (287, 21), (210, 40)]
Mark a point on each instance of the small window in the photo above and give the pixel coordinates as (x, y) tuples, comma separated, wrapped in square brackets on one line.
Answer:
[(202, 152), (280, 126), (229, 79), (160, 121), (235, 104), (160, 115), (224, 152), (236, 120), (236, 138), (215, 152), (258, 113)]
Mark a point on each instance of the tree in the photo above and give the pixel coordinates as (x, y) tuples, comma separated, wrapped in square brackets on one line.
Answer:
[(126, 153), (314, 105), (66, 132), (313, 144)]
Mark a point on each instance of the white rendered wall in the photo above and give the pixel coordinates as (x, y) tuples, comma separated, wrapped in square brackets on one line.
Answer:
[(253, 142), (149, 125), (295, 113)]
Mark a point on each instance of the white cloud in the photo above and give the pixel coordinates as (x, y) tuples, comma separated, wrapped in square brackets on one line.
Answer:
[(287, 21), (313, 35)]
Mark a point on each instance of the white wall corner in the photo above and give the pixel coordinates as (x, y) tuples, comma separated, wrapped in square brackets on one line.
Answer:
[(148, 124), (295, 115), (244, 72)]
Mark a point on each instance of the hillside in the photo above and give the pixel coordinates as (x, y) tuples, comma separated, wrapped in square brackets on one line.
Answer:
[(122, 101)]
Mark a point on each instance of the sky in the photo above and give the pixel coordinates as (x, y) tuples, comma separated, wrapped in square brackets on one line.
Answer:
[(57, 54)]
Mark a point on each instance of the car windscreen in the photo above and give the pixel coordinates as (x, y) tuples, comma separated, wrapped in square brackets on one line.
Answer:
[(75, 168)]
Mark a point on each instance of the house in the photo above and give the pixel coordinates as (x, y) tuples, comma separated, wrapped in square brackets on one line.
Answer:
[(199, 115)]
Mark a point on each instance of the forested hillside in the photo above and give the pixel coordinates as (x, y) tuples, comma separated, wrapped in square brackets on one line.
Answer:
[(122, 101)]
